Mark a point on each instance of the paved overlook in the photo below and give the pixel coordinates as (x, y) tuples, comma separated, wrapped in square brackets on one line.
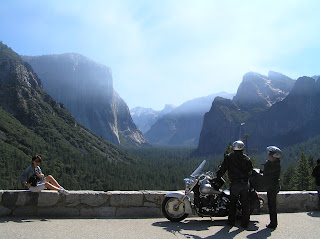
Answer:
[(291, 226)]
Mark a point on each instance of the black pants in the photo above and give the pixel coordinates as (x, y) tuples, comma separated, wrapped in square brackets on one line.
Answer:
[(272, 204), (239, 189)]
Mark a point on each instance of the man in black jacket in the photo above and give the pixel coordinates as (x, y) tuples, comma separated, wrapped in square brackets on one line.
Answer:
[(271, 174), (239, 167), (316, 174)]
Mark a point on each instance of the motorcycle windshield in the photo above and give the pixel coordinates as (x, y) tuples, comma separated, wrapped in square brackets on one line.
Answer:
[(198, 171)]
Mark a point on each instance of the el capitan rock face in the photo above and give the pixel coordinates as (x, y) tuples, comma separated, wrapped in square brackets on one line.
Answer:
[(32, 121), (86, 89)]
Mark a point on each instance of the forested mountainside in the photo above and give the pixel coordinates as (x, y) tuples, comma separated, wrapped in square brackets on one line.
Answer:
[(32, 122)]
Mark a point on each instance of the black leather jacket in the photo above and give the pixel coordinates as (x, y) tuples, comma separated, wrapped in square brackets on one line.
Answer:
[(238, 165), (271, 174)]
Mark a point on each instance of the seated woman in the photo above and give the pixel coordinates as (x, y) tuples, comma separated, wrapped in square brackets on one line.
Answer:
[(40, 182)]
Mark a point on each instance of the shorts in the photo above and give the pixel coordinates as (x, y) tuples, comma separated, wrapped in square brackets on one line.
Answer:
[(40, 186)]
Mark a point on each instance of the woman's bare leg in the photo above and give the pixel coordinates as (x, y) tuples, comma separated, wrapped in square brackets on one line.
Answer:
[(52, 187), (52, 181)]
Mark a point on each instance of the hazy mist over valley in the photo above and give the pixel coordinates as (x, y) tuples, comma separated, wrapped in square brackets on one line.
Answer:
[(127, 95)]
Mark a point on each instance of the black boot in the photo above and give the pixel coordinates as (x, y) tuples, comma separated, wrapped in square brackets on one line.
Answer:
[(272, 226)]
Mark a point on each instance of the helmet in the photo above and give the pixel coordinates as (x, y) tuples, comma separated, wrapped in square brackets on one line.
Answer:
[(238, 145), (274, 151)]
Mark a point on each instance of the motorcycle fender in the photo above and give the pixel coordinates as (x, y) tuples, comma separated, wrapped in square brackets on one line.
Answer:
[(180, 195)]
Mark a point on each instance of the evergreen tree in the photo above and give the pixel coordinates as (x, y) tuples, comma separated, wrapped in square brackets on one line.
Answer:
[(311, 162), (312, 165), (304, 178), (289, 178)]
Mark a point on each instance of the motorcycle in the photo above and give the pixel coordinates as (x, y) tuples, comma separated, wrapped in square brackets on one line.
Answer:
[(204, 197)]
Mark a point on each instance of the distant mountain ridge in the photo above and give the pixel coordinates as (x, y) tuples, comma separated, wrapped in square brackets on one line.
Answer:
[(182, 125), (144, 118), (86, 89)]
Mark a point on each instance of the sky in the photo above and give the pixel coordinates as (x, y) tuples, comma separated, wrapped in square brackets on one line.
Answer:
[(171, 51)]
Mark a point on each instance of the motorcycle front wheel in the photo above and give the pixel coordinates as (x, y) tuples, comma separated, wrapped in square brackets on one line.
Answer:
[(174, 209)]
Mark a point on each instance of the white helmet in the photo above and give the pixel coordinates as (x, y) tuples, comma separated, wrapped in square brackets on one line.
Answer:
[(274, 151), (238, 145)]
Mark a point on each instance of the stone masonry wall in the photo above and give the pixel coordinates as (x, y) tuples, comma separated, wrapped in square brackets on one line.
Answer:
[(117, 204)]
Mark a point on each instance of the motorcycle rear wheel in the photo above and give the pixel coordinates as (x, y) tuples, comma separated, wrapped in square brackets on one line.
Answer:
[(172, 210)]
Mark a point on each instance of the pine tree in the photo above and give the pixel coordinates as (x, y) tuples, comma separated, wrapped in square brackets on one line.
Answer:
[(289, 178), (304, 178)]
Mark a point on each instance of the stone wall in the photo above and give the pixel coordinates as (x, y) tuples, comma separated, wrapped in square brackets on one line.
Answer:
[(117, 204)]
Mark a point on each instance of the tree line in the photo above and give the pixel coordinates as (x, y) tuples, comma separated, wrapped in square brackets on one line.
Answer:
[(156, 168)]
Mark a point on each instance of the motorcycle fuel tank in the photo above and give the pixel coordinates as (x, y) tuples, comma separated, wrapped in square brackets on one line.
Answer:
[(206, 188)]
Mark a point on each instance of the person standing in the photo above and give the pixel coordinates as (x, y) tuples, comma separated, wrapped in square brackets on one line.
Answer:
[(316, 174), (39, 181), (271, 174), (239, 167)]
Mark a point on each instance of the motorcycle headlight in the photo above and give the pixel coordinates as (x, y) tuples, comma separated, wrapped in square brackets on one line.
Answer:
[(187, 181)]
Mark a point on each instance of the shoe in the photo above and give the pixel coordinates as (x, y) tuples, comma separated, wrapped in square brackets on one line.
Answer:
[(272, 226), (244, 225), (65, 192)]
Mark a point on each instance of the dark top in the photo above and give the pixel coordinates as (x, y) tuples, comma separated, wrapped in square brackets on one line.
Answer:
[(271, 174), (316, 174), (238, 165)]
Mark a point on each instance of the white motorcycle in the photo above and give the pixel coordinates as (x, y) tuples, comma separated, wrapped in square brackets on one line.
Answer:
[(204, 197)]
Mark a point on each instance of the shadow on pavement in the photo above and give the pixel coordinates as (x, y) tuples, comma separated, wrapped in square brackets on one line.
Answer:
[(19, 220), (226, 231), (191, 225), (262, 234), (314, 214)]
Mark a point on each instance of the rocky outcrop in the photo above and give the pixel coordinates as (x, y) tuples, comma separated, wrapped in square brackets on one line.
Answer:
[(258, 91), (86, 89), (220, 125), (18, 84)]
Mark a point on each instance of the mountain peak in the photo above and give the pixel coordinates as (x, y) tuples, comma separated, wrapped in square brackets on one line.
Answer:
[(167, 108), (304, 85), (261, 91)]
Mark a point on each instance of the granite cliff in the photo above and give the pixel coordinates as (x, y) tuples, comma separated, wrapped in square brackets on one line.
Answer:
[(293, 120), (33, 122), (257, 91), (86, 90), (250, 112)]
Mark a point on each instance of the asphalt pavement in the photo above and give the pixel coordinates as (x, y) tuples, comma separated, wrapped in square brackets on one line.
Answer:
[(291, 225)]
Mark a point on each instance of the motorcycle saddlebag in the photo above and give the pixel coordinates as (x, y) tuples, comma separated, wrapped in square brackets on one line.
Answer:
[(254, 200)]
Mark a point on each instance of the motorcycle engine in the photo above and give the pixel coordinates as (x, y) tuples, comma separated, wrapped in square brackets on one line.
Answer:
[(209, 201)]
